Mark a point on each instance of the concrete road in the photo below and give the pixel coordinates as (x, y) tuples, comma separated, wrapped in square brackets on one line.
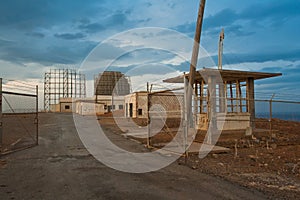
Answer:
[(61, 168)]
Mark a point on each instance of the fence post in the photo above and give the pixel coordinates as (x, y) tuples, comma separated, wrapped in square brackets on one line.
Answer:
[(271, 114), (1, 131), (37, 114), (148, 116)]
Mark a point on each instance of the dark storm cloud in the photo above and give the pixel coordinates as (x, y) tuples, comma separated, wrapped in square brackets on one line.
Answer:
[(292, 55), (114, 21), (22, 52), (225, 17), (37, 13), (264, 14), (30, 27), (36, 34), (70, 36), (277, 10), (91, 27)]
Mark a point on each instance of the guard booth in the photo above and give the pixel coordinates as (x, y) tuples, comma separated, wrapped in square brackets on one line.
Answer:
[(225, 97)]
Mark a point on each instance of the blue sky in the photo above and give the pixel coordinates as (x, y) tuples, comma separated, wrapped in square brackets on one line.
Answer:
[(260, 35)]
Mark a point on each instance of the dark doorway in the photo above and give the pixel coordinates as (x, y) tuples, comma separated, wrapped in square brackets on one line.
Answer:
[(130, 109)]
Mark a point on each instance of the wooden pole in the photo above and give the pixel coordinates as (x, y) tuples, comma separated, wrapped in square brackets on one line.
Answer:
[(194, 58), (185, 128)]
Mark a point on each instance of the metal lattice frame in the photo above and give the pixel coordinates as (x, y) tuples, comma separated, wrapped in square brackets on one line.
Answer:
[(112, 82), (63, 83)]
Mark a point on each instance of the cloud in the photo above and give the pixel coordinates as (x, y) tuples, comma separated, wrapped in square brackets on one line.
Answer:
[(188, 28), (259, 35), (274, 10), (291, 55), (26, 15), (91, 27), (36, 34), (4, 42), (70, 36), (223, 18), (25, 52)]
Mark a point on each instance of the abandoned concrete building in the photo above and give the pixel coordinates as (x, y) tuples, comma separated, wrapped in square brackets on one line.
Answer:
[(136, 104), (230, 97), (161, 103)]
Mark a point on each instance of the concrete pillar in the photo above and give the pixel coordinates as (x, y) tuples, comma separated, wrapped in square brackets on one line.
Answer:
[(212, 100), (196, 102), (250, 100), (221, 98), (201, 96)]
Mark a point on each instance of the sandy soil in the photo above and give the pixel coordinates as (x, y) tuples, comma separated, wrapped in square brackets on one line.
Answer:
[(268, 163), (18, 131)]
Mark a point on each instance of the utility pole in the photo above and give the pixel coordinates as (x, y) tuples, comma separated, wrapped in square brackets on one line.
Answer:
[(194, 58), (220, 56)]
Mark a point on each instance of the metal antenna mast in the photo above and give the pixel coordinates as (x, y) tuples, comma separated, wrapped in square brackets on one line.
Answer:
[(220, 56)]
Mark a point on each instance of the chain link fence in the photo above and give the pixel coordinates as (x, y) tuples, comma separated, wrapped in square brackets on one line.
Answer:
[(18, 116), (278, 118), (165, 118), (274, 119)]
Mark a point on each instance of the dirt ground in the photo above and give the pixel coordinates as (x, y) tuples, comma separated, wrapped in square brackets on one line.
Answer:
[(61, 168), (18, 131), (265, 162)]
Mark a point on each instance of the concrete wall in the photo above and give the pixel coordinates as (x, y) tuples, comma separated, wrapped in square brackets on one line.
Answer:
[(142, 105), (167, 104), (232, 121), (136, 105), (89, 108), (111, 103), (55, 108), (65, 107)]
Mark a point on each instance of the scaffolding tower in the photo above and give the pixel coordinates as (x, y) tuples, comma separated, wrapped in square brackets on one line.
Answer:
[(63, 83)]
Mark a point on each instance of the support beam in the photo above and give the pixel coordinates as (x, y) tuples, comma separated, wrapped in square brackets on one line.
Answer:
[(237, 96), (250, 99), (196, 102), (225, 97), (201, 96), (212, 101), (231, 97), (240, 96), (221, 98)]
